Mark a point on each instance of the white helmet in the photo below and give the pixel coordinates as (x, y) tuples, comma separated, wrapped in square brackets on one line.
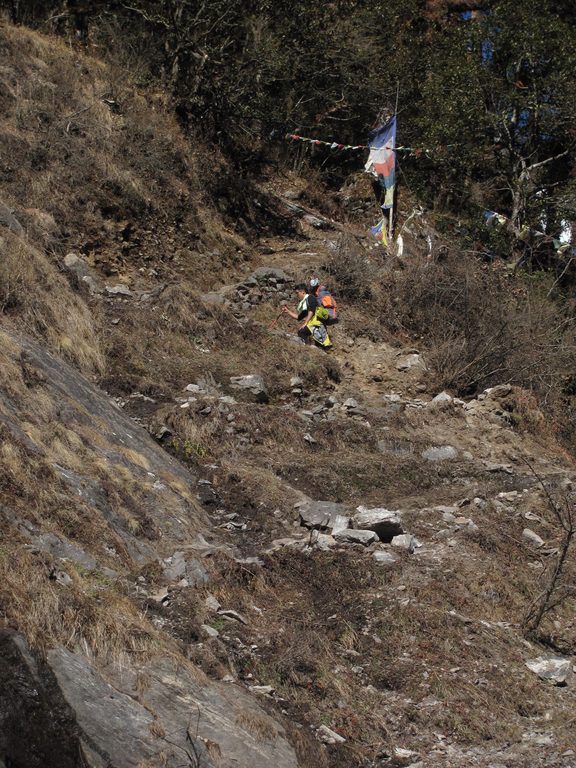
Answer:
[(314, 282)]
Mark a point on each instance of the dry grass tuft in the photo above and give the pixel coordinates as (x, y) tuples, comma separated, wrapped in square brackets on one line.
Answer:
[(36, 300), (261, 727)]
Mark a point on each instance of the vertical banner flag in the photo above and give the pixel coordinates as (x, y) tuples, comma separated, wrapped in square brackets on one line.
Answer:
[(382, 159), (379, 232)]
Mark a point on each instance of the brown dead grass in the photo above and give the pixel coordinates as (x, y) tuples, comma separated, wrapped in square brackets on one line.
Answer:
[(427, 644), (36, 300), (89, 613)]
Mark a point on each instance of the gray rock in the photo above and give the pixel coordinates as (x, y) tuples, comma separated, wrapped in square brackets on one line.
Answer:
[(406, 541), (229, 613), (442, 397), (324, 542), (440, 453), (384, 558), (350, 403), (61, 548), (7, 219), (185, 708), (118, 290), (210, 631), (354, 536), (263, 273), (557, 670), (196, 574), (174, 567), (251, 383), (324, 515), (409, 362), (533, 537), (328, 736), (212, 603), (317, 222), (83, 272), (112, 722), (384, 522)]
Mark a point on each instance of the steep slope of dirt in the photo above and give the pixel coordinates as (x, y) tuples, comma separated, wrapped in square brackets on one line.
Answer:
[(179, 508)]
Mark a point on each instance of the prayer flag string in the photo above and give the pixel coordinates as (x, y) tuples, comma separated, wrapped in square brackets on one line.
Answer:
[(334, 145)]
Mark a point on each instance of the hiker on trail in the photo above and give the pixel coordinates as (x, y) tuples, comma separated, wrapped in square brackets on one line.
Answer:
[(311, 318), (325, 300)]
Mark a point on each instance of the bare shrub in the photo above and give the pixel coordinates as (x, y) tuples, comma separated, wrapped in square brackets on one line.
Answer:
[(482, 327), (557, 583), (352, 269)]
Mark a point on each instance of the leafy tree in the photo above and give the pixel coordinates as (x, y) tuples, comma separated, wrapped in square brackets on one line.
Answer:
[(498, 99)]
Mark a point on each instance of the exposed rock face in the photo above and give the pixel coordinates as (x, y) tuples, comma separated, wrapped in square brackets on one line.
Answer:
[(37, 727), (179, 715), (119, 441), (79, 713), (63, 712), (355, 536)]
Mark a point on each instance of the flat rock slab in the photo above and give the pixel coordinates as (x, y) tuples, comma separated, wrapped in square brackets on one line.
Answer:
[(355, 536), (61, 548), (384, 522), (324, 515), (118, 721)]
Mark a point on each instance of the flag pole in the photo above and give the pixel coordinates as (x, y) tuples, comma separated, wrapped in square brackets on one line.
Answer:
[(391, 214)]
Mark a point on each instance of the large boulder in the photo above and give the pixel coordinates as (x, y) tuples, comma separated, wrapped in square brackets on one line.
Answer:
[(384, 522), (324, 515)]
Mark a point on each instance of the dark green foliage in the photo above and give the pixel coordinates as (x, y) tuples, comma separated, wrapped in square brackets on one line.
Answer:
[(491, 98)]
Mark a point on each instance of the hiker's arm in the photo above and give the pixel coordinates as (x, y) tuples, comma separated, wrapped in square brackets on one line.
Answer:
[(286, 311)]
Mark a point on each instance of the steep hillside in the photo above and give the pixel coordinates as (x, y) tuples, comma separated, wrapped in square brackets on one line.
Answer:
[(221, 547)]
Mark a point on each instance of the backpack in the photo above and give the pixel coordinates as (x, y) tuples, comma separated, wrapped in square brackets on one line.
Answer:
[(327, 302)]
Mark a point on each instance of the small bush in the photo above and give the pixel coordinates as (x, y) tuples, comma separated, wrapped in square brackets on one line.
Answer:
[(483, 328), (353, 271)]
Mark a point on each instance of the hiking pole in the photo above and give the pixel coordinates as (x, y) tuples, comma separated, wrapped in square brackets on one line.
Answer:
[(274, 323)]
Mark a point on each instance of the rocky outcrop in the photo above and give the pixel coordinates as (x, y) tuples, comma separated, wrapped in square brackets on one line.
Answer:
[(63, 711)]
